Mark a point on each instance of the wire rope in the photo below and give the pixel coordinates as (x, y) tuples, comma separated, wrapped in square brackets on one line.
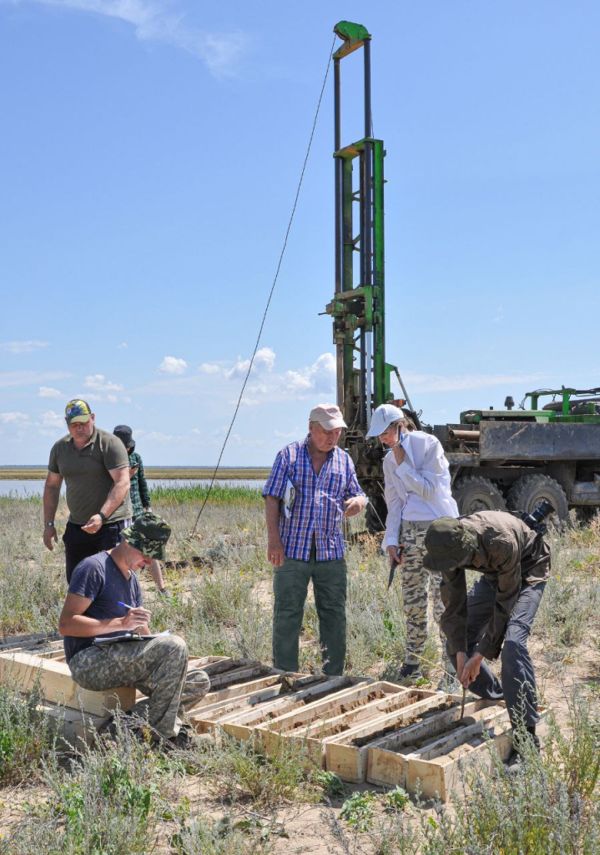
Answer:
[(272, 290)]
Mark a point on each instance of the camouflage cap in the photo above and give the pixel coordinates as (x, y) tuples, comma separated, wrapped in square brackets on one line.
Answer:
[(449, 544), (148, 533)]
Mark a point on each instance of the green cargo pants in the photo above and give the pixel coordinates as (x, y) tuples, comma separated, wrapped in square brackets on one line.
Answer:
[(290, 587)]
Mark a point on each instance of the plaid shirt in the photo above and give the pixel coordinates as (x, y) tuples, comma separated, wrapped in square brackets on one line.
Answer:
[(138, 489), (318, 509)]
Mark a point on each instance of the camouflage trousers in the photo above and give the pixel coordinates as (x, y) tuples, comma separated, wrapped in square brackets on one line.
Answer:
[(417, 584), (158, 668)]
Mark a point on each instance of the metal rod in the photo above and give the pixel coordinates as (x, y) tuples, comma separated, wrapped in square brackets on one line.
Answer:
[(338, 175)]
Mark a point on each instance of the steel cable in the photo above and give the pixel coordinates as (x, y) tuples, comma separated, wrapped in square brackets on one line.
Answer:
[(270, 297)]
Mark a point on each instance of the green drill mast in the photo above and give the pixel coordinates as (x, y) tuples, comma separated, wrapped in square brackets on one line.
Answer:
[(358, 306)]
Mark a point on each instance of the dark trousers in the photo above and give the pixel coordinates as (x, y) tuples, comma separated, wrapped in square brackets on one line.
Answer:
[(80, 545), (290, 587), (517, 684)]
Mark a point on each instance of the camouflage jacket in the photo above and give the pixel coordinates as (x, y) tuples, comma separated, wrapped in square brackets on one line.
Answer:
[(138, 491), (510, 555)]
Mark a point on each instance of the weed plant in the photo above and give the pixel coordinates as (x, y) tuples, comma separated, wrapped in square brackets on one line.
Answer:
[(110, 802), (31, 579), (226, 836), (26, 735), (237, 773), (219, 495)]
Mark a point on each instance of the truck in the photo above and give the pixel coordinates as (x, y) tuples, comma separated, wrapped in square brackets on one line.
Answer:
[(515, 458), (511, 458)]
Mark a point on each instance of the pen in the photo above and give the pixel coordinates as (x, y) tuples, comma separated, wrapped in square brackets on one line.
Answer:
[(125, 605)]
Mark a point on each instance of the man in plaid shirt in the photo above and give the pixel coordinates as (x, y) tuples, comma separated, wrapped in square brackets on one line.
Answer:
[(312, 487)]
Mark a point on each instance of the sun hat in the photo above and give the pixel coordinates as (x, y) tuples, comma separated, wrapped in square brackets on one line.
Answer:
[(382, 418), (329, 416), (124, 433)]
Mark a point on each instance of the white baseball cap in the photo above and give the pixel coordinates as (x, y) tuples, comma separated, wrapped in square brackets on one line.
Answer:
[(329, 416), (382, 418)]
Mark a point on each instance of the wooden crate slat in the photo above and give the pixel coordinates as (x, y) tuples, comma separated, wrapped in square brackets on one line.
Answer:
[(237, 690), (436, 778), (418, 757), (341, 702), (57, 686), (242, 724), (350, 760)]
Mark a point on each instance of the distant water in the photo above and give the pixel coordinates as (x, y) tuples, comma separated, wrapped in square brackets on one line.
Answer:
[(23, 489)]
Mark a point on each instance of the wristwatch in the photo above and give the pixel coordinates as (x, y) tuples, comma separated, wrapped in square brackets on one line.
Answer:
[(102, 516), (49, 524)]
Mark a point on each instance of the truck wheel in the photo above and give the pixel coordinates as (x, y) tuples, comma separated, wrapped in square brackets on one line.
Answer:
[(475, 493), (526, 493)]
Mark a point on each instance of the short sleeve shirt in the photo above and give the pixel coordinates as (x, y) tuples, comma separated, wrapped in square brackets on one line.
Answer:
[(99, 579), (87, 476)]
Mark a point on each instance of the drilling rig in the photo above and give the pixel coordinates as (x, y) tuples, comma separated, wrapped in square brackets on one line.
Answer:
[(512, 458), (358, 305)]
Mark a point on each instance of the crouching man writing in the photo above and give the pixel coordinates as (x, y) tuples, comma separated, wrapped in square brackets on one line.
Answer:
[(105, 599)]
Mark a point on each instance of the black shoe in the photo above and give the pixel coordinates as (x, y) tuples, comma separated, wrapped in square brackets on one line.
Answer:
[(182, 742)]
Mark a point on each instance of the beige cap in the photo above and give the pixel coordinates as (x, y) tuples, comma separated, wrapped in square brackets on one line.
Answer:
[(329, 416)]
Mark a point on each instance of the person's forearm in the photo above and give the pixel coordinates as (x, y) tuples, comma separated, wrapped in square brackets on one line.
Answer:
[(272, 517), (50, 503), (82, 626)]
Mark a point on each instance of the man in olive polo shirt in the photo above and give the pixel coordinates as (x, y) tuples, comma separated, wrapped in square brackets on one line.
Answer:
[(95, 468)]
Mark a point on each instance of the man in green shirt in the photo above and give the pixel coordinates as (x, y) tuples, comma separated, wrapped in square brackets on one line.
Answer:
[(95, 468)]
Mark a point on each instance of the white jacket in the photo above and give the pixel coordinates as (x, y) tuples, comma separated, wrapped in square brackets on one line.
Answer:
[(419, 489)]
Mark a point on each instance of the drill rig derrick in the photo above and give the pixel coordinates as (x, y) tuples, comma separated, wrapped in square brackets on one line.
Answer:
[(358, 305)]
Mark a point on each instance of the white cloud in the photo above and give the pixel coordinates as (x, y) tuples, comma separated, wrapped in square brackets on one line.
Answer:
[(172, 365), (49, 392), (318, 377), (22, 346), (52, 420), (210, 368), (122, 346), (99, 384), (263, 361), (152, 20), (13, 418), (98, 388)]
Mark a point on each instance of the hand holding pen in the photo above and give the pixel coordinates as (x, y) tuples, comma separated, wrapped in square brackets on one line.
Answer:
[(136, 616)]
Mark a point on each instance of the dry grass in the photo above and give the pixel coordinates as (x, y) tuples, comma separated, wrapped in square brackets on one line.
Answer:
[(229, 800)]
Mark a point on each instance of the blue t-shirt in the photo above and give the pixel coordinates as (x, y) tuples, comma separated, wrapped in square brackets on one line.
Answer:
[(99, 579)]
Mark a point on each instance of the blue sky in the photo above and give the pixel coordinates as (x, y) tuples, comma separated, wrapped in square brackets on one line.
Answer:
[(149, 156)]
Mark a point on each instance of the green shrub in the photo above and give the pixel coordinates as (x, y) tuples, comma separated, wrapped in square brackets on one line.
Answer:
[(236, 772), (108, 803), (359, 811)]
